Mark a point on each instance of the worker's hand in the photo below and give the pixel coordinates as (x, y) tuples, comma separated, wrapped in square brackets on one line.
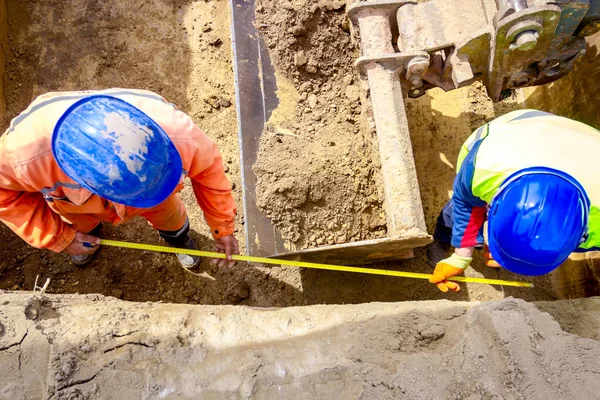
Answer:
[(77, 248), (489, 259), (227, 245), (451, 266)]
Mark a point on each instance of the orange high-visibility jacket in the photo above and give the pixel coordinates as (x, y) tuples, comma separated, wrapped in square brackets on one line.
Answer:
[(34, 190)]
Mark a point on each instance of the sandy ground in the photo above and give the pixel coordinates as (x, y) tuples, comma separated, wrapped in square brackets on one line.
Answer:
[(181, 49), (85, 347), (317, 178)]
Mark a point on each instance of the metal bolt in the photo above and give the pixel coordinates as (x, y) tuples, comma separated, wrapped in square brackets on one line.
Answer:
[(415, 81), (524, 41)]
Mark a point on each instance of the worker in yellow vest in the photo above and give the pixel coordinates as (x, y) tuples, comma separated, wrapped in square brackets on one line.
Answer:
[(535, 177)]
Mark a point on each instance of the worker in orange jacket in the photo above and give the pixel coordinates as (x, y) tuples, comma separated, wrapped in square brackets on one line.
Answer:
[(73, 160)]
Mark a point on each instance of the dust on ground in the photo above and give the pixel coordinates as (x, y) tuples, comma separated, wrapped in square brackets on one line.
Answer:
[(79, 347), (182, 50), (316, 175)]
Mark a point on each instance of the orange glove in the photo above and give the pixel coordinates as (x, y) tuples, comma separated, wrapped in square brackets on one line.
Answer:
[(451, 266), (489, 260)]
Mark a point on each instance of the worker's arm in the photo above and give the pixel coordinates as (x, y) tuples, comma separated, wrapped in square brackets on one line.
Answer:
[(26, 212), (211, 187), (467, 229), (213, 193), (202, 163)]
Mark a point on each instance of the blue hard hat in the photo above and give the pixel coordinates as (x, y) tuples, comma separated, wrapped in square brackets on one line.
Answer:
[(538, 217), (116, 151)]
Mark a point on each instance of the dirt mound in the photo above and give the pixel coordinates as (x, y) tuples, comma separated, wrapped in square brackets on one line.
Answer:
[(76, 347), (316, 169)]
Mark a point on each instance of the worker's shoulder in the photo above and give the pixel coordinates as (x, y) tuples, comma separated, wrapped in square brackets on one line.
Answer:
[(522, 115), (527, 117), (29, 134)]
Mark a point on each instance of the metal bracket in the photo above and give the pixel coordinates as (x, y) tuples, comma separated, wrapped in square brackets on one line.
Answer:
[(520, 39), (504, 43)]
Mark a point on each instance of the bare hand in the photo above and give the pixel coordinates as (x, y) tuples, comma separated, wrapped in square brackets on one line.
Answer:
[(227, 245), (77, 248)]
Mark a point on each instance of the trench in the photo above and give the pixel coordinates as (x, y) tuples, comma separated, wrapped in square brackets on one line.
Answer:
[(65, 345), (181, 50)]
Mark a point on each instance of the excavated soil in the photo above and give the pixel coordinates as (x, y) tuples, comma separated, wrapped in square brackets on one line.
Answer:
[(316, 169), (181, 49), (86, 347)]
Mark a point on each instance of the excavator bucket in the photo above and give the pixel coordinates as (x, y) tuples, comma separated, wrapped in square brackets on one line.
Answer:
[(256, 86)]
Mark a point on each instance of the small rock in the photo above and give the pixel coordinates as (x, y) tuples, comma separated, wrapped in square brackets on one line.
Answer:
[(226, 168), (335, 5), (305, 87), (352, 93), (312, 101), (298, 31), (213, 40), (217, 102), (348, 80), (189, 292), (312, 67), (86, 348), (433, 332), (75, 283), (223, 102), (207, 27), (118, 293), (300, 59)]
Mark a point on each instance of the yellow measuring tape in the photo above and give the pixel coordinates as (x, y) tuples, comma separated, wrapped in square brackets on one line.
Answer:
[(302, 264)]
